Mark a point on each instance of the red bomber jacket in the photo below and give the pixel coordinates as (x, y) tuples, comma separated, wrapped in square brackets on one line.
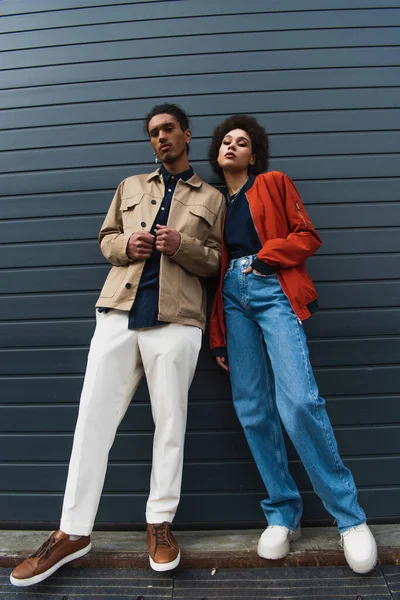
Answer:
[(288, 239)]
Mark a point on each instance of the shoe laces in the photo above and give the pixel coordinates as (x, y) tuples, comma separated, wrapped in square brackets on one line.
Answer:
[(160, 533), (45, 548), (343, 535)]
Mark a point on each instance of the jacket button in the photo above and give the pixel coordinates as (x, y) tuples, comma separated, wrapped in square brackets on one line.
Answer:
[(143, 224), (154, 201), (128, 286)]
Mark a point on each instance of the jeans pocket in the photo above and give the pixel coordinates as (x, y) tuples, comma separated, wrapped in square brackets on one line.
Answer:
[(261, 275)]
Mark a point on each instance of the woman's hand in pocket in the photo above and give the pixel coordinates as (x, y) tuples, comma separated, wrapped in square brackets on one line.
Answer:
[(222, 362)]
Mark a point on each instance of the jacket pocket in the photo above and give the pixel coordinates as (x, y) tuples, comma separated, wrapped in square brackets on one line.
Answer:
[(204, 213), (196, 222), (114, 279), (130, 209), (130, 201), (190, 295)]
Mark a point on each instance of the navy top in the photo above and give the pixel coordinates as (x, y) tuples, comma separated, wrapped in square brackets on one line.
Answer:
[(144, 311), (240, 235)]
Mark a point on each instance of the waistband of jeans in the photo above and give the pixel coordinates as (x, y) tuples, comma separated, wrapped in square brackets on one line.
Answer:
[(245, 261)]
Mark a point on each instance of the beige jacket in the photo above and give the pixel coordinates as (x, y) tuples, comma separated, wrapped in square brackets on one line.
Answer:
[(197, 212)]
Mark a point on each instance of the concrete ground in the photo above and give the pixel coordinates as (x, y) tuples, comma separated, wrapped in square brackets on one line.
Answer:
[(215, 564), (318, 546)]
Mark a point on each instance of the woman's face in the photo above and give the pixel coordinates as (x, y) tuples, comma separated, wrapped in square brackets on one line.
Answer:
[(236, 153)]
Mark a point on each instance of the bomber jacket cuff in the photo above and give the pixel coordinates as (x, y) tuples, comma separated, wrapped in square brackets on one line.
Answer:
[(220, 351), (263, 268)]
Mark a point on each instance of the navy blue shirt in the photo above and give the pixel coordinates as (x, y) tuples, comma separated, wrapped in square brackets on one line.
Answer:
[(144, 312), (240, 235)]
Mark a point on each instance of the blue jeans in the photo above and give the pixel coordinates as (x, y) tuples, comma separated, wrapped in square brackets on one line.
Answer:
[(272, 381)]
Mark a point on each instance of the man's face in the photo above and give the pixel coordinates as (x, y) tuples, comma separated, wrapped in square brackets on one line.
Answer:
[(167, 138)]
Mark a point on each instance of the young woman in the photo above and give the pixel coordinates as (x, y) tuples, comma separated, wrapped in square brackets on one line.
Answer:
[(265, 294)]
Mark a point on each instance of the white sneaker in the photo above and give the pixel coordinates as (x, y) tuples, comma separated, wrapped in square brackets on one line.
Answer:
[(359, 548), (274, 542)]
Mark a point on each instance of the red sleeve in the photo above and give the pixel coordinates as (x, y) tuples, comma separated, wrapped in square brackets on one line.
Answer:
[(302, 240)]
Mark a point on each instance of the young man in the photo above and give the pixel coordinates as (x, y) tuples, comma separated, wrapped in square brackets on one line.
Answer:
[(162, 234)]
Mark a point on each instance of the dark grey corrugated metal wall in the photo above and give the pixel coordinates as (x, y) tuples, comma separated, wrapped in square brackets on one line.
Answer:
[(77, 76)]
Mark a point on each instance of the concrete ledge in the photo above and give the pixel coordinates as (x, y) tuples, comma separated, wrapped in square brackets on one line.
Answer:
[(318, 546)]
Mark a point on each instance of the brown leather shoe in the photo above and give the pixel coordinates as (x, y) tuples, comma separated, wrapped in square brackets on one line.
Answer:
[(164, 552), (57, 550)]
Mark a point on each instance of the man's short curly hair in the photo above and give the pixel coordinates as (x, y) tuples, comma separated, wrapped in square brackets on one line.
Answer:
[(170, 109), (259, 142)]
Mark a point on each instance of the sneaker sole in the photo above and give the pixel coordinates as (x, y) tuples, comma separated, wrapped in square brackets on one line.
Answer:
[(363, 568), (279, 552), (165, 566), (43, 576)]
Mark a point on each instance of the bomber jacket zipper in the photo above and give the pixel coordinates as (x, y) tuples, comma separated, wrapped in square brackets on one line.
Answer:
[(301, 214)]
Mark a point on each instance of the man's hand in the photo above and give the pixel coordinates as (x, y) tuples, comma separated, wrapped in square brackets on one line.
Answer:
[(167, 240), (140, 245)]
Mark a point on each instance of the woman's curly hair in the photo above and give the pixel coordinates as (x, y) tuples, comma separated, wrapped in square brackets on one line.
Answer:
[(259, 142)]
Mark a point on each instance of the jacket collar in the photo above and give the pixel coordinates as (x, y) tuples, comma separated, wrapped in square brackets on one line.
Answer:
[(194, 181)]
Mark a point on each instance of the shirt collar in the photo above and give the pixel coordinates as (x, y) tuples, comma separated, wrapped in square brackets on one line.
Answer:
[(193, 181), (167, 176)]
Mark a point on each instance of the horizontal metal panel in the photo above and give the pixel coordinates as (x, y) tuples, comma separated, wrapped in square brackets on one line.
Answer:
[(355, 322), (194, 45), (345, 241), (323, 267), (199, 508), (340, 294), (67, 279), (218, 415), (324, 353), (358, 380), (200, 84), (240, 476), (76, 332), (132, 130), (133, 12), (325, 167), (349, 190), (353, 268), (67, 228), (358, 441), (305, 145), (68, 204), (164, 66), (207, 385), (366, 294), (366, 199), (9, 7), (53, 306), (361, 214), (52, 261), (131, 28), (306, 168), (47, 333), (350, 351), (200, 105), (340, 243), (74, 329)]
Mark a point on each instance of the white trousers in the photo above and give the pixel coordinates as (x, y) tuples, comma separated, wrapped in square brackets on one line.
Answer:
[(117, 360)]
